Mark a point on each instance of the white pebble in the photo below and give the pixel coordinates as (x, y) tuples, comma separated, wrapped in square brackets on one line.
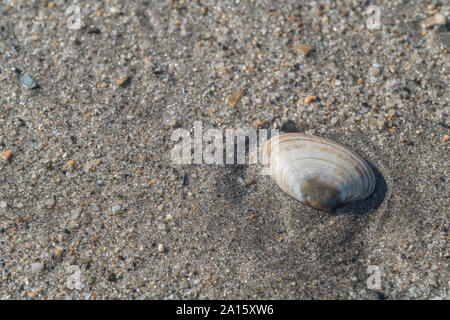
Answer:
[(114, 10), (333, 121), (374, 70), (161, 226), (37, 267), (117, 209), (437, 19), (49, 202), (170, 121)]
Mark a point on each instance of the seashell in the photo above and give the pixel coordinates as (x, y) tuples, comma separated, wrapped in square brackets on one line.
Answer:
[(316, 171), (6, 155), (305, 49)]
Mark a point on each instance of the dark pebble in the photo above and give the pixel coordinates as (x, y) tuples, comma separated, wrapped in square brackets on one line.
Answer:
[(289, 126), (380, 296), (94, 30), (112, 277), (185, 180)]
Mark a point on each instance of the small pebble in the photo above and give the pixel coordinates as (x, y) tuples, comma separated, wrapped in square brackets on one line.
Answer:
[(185, 284), (28, 82), (111, 276), (333, 121), (86, 260), (161, 226), (291, 75), (93, 30), (248, 181), (161, 248), (170, 121), (303, 49), (37, 267), (49, 202), (374, 71), (117, 209), (99, 183), (122, 81), (366, 47), (310, 99), (235, 97), (5, 155), (3, 204), (437, 19), (114, 10), (380, 296)]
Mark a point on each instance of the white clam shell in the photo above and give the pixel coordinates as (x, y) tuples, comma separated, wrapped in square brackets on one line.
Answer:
[(316, 171)]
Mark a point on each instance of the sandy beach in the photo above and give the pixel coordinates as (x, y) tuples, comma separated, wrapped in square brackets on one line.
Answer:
[(93, 207)]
